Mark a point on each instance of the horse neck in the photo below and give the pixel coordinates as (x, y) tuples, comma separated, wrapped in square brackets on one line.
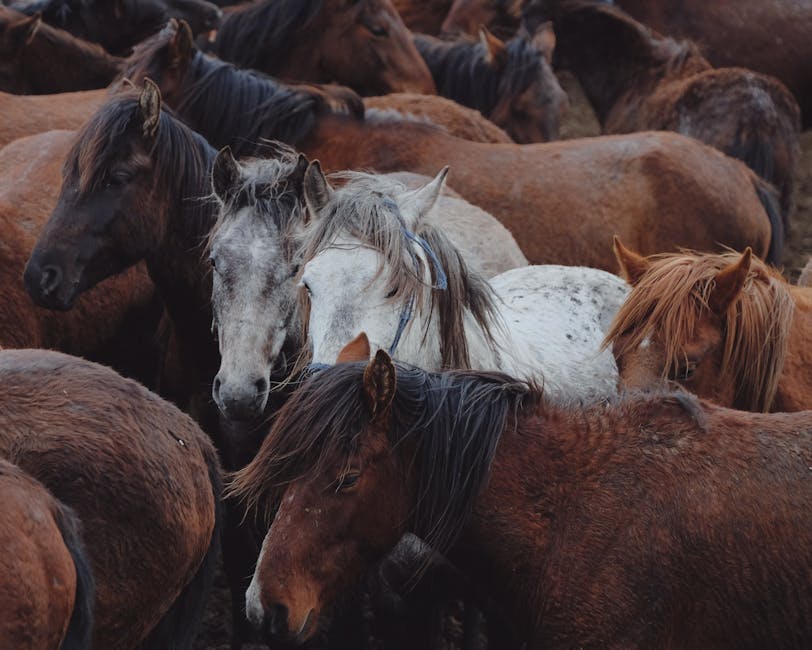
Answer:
[(795, 385), (73, 67)]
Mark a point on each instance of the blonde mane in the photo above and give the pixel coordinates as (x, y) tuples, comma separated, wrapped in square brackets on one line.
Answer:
[(671, 299)]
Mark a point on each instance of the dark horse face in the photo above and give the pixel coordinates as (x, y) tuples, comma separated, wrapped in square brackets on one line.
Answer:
[(333, 524), (105, 217)]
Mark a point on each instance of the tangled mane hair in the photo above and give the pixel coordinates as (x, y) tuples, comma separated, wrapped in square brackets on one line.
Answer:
[(671, 298), (258, 34), (365, 208), (462, 73), (453, 419)]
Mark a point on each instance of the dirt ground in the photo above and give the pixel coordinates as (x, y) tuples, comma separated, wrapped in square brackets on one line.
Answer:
[(579, 122)]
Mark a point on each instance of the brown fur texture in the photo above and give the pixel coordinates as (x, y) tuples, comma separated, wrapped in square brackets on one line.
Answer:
[(456, 120), (136, 470), (742, 34), (37, 574), (655, 522), (466, 16), (637, 80), (36, 58), (423, 16), (116, 323)]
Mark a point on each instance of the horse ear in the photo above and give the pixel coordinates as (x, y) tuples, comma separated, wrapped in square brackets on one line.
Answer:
[(183, 44), (225, 174), (632, 265), (356, 350), (149, 105), (379, 384), (316, 189), (544, 40), (297, 176), (729, 282), (422, 200), (22, 32), (495, 49)]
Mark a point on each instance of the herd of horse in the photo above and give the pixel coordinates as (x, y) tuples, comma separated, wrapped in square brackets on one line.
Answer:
[(310, 290)]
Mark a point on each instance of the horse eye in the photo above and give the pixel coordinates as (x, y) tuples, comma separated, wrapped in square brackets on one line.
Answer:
[(684, 373), (213, 263), (392, 293), (307, 288), (118, 179), (348, 481), (376, 29)]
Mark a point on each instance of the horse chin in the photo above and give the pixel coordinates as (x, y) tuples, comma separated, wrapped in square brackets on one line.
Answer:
[(307, 629)]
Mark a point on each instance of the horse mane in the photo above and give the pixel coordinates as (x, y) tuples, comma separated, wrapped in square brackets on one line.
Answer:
[(262, 32), (182, 159), (363, 208), (672, 297), (453, 419), (265, 188), (240, 108), (461, 72), (53, 11)]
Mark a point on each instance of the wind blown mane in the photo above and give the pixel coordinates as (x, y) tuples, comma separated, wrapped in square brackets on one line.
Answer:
[(182, 159), (462, 73), (364, 209), (240, 108), (263, 32), (455, 420), (672, 297)]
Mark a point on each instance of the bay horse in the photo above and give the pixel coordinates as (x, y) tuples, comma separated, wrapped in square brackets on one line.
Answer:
[(140, 475), (577, 521), (726, 326), (637, 80), (45, 577), (116, 323), (632, 185), (511, 83), (36, 58), (362, 44), (253, 249), (742, 35), (118, 25), (374, 261)]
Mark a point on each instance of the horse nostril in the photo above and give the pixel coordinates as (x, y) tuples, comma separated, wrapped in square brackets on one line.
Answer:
[(276, 620), (50, 280), (215, 389), (261, 386)]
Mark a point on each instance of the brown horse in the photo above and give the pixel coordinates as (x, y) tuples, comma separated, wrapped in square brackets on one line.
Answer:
[(661, 190), (728, 327), (423, 16), (37, 59), (141, 476), (510, 83), (362, 44), (117, 25), (770, 37), (578, 522), (115, 323), (467, 16), (46, 585), (637, 80)]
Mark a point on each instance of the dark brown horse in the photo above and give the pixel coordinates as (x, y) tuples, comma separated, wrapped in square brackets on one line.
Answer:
[(423, 16), (578, 522), (362, 44), (141, 476), (726, 326), (633, 185), (637, 80), (770, 37), (46, 585), (117, 25), (38, 59), (511, 83)]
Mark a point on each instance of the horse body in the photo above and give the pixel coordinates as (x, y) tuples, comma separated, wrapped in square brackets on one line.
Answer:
[(147, 492), (637, 80), (424, 17), (578, 522), (44, 571)]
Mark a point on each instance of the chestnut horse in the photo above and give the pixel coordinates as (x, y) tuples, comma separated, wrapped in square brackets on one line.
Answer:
[(634, 185), (117, 25), (38, 59), (362, 44), (726, 326), (742, 34), (140, 475), (654, 522), (637, 80), (510, 83), (115, 323), (46, 585)]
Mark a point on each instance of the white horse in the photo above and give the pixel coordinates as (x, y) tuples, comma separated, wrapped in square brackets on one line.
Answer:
[(374, 262), (254, 261)]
